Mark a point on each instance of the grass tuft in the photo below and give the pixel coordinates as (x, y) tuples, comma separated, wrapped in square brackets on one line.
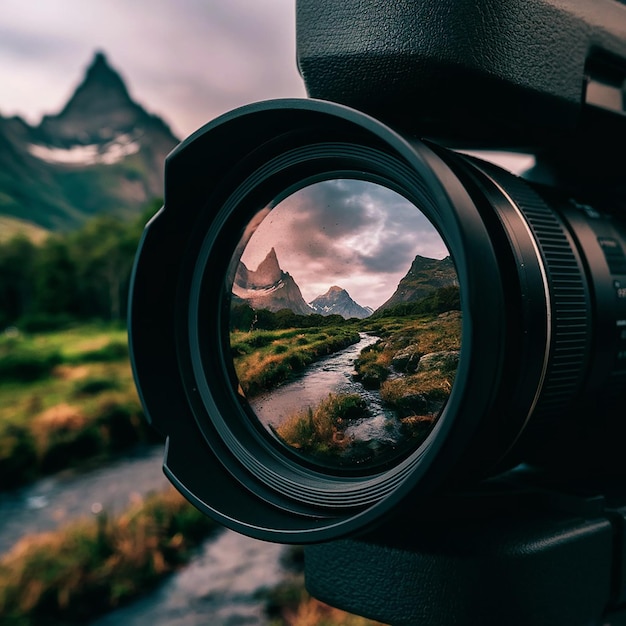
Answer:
[(91, 566)]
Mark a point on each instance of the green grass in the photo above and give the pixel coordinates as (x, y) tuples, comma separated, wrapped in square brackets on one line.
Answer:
[(418, 392), (319, 431), (74, 401), (92, 566), (264, 358)]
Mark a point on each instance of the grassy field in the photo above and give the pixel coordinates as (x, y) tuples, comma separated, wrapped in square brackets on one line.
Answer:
[(264, 358), (413, 365), (12, 227), (65, 397)]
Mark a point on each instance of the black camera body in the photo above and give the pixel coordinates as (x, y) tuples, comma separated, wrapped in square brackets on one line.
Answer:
[(542, 77), (464, 461), (510, 73)]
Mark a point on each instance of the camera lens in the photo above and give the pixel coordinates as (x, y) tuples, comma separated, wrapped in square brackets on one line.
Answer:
[(330, 320), (323, 361)]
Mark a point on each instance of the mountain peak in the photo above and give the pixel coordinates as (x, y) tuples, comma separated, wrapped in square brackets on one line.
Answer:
[(101, 74), (424, 277), (101, 88), (59, 173), (268, 271), (99, 58), (99, 107), (269, 287), (334, 289), (338, 301)]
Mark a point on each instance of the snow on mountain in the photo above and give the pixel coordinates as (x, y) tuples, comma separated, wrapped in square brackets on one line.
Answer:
[(102, 153), (337, 301), (83, 155), (269, 287)]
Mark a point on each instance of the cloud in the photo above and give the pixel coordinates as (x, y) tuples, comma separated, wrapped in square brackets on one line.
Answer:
[(355, 234), (188, 61)]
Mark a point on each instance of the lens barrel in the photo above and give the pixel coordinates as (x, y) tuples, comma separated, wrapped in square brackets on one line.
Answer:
[(511, 370)]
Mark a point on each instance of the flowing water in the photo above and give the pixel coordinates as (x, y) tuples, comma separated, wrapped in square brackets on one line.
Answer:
[(333, 374), (222, 583), (219, 587), (56, 500)]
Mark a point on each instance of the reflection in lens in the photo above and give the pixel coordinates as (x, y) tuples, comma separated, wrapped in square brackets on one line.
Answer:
[(345, 323)]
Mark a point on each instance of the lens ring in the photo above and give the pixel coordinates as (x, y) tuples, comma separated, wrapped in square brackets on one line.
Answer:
[(179, 299), (252, 454)]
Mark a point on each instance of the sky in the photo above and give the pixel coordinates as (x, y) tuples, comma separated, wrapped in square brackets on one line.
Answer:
[(187, 61), (353, 234)]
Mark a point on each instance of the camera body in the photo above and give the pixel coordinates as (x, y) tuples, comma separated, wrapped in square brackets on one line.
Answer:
[(493, 73), (512, 348), (541, 77)]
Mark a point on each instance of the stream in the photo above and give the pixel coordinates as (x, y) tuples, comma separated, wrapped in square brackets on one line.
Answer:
[(58, 499), (221, 585), (333, 374)]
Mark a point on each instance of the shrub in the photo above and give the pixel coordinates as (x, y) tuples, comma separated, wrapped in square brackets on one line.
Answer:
[(94, 386), (113, 351), (22, 364), (66, 446), (124, 424), (320, 430), (372, 366), (18, 455)]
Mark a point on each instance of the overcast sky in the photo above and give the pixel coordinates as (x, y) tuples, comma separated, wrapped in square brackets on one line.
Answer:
[(357, 235), (185, 60)]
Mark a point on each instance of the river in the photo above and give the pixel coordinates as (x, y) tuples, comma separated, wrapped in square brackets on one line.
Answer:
[(55, 500), (333, 374), (221, 585)]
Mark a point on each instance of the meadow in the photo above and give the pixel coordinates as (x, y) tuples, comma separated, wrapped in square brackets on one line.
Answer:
[(412, 366), (265, 358), (66, 397), (68, 401)]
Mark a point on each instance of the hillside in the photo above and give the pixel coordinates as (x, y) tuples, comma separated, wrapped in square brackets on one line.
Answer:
[(102, 153), (12, 227), (423, 278)]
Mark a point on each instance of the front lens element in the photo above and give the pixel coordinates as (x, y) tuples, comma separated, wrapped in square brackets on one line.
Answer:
[(345, 324)]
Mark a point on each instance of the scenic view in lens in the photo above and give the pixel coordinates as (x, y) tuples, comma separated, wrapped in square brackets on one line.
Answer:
[(345, 323)]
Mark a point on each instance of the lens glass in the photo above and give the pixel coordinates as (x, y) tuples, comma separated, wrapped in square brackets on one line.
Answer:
[(345, 323)]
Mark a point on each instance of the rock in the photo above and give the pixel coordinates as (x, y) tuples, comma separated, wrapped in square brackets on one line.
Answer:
[(439, 361), (406, 359)]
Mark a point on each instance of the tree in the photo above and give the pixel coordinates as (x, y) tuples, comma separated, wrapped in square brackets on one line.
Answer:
[(104, 251), (17, 258), (54, 270)]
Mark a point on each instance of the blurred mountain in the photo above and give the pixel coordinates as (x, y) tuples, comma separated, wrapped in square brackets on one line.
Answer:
[(337, 301), (103, 153), (423, 278), (269, 287)]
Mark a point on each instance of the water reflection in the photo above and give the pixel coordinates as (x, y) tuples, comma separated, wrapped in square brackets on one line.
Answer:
[(345, 323)]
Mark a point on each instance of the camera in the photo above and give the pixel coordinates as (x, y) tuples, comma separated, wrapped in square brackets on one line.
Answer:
[(359, 333)]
